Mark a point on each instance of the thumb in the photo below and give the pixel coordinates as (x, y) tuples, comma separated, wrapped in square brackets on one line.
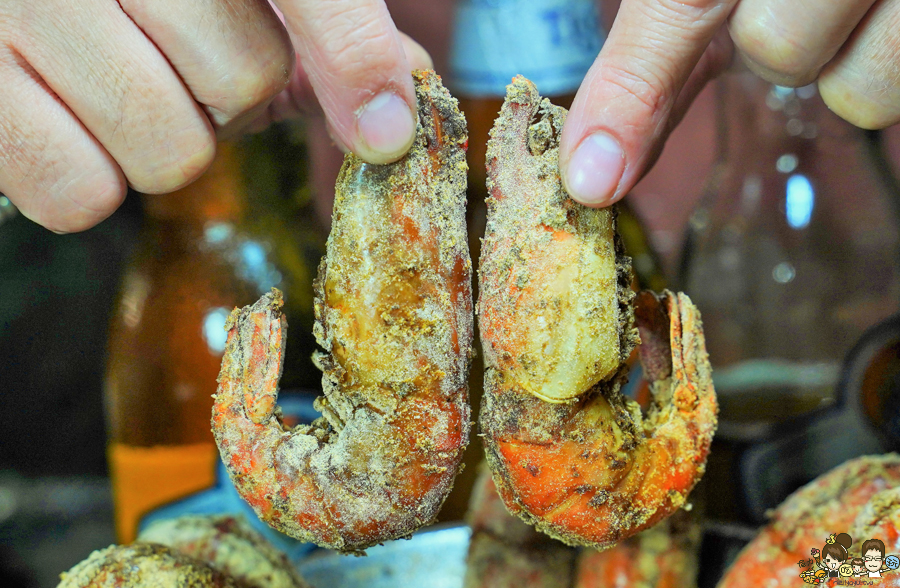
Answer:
[(630, 98)]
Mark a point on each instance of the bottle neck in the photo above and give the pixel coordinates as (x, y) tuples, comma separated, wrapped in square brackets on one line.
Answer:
[(219, 194), (551, 42)]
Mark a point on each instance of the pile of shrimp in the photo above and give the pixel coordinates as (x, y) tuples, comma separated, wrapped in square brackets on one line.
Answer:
[(218, 551)]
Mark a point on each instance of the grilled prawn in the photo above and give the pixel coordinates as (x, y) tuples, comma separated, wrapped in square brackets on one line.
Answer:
[(143, 565), (558, 319), (860, 497), (394, 314), (228, 544), (194, 551), (664, 556), (504, 552)]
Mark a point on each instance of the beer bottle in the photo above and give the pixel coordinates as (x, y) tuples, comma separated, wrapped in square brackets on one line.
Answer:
[(244, 227)]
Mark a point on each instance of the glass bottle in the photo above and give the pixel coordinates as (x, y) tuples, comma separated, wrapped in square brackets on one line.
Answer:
[(791, 255), (551, 42), (242, 228)]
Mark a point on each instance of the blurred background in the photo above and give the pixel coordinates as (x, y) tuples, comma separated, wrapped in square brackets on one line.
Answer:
[(69, 344)]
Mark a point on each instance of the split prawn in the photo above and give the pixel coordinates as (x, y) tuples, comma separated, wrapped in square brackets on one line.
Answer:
[(558, 319), (394, 314)]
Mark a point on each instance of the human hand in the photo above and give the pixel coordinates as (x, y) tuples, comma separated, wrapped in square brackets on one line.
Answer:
[(660, 53), (98, 96)]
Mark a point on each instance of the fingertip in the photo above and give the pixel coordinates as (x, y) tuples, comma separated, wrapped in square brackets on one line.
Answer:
[(621, 113), (386, 128), (357, 64), (591, 174)]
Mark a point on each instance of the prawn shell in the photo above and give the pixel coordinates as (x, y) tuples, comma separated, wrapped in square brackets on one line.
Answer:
[(548, 306), (504, 552), (142, 565), (848, 498), (581, 463), (229, 544), (394, 316)]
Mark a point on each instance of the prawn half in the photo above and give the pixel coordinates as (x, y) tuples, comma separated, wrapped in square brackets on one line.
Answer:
[(394, 312), (570, 454), (228, 544)]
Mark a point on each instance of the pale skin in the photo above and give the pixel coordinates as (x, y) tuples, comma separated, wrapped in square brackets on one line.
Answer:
[(873, 559), (98, 96)]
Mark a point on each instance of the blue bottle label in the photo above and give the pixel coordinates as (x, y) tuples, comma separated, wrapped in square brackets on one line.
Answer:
[(551, 42)]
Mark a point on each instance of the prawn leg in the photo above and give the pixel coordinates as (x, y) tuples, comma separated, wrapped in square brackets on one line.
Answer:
[(394, 316), (558, 320)]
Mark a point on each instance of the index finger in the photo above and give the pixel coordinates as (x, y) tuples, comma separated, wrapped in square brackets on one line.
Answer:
[(353, 56), (620, 115)]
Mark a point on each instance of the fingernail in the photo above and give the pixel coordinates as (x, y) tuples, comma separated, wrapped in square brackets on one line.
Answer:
[(595, 169), (387, 127)]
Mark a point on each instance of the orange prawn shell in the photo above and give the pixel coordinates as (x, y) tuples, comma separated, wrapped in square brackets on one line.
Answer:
[(831, 502), (394, 316), (584, 467), (548, 268)]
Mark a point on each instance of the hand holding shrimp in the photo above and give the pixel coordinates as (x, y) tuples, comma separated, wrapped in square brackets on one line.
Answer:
[(394, 312), (569, 453)]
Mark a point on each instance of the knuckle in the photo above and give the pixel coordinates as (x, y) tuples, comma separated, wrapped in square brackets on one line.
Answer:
[(864, 87), (167, 165), (867, 116), (255, 82), (352, 42), (642, 82), (775, 54), (865, 106), (64, 197), (85, 204)]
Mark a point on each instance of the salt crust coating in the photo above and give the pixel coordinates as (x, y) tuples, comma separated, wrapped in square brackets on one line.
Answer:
[(858, 497), (229, 545), (569, 453), (547, 261), (394, 316), (143, 565), (196, 551)]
